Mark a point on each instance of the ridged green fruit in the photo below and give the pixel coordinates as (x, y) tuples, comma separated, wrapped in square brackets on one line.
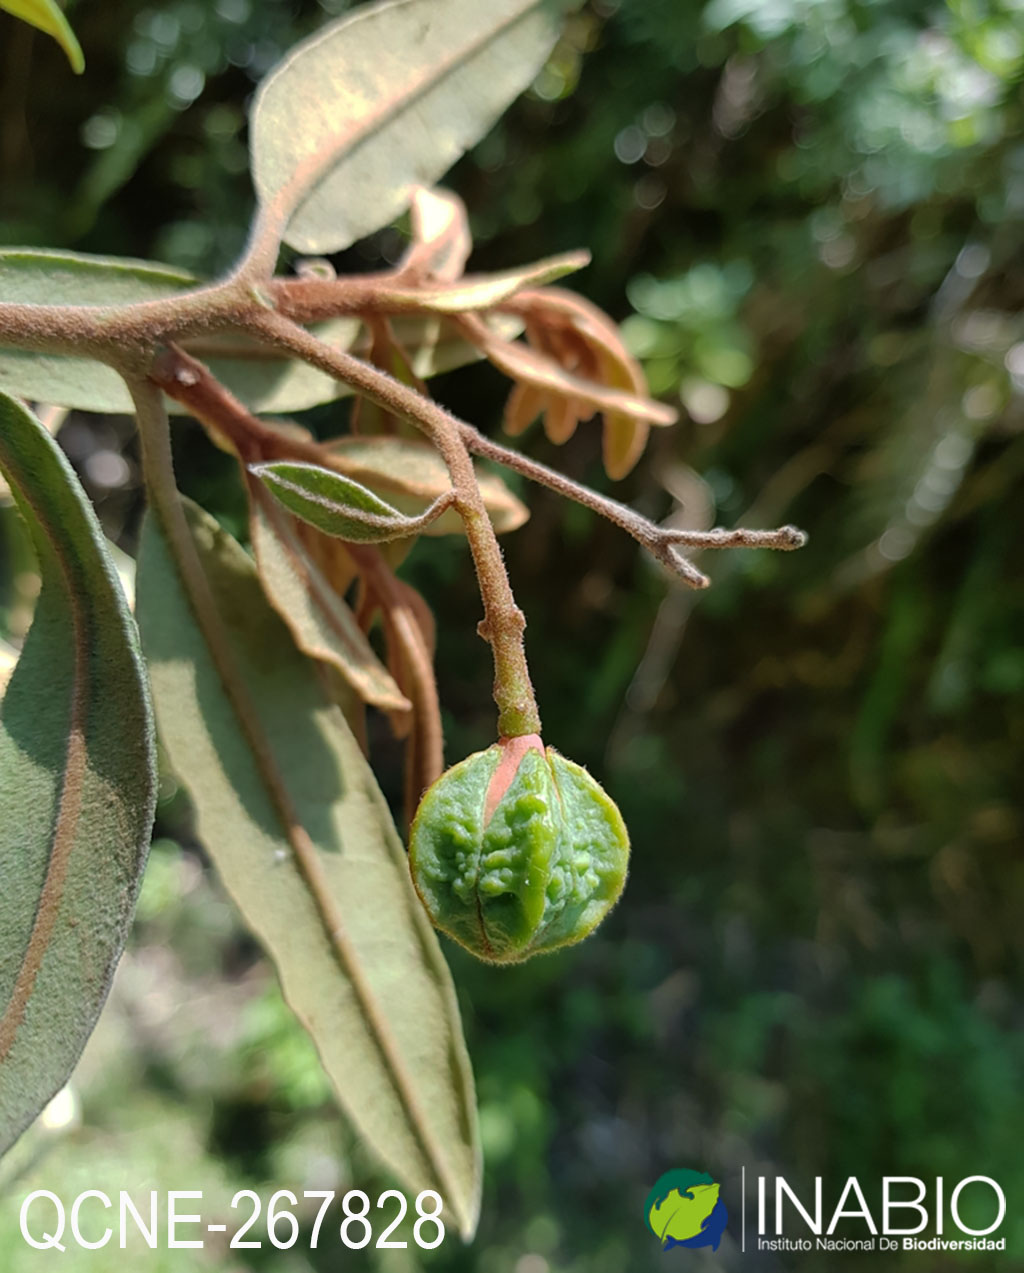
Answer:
[(516, 851)]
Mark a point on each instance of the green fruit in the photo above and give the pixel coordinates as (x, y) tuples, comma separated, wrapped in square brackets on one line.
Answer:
[(516, 850)]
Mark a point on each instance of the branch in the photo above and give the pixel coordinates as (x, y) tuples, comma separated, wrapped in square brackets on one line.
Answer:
[(503, 623), (661, 542)]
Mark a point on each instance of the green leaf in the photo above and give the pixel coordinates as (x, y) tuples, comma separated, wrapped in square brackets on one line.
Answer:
[(410, 474), (362, 969), (260, 376), (384, 100), (339, 506), (321, 623), (46, 15), (77, 783)]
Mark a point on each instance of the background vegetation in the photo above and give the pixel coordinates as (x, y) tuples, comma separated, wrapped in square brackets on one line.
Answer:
[(807, 215)]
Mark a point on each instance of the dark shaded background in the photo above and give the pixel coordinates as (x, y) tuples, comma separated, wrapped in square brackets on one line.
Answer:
[(807, 213)]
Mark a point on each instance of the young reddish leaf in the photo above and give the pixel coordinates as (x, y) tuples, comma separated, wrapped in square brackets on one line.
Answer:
[(529, 367), (576, 356), (441, 242), (481, 291), (524, 405), (560, 419), (409, 636), (622, 443), (624, 437)]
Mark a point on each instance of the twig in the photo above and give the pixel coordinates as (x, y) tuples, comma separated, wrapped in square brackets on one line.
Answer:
[(503, 623), (660, 541)]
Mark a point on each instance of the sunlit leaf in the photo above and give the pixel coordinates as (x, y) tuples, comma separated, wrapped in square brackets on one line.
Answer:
[(482, 291), (293, 820), (47, 16), (384, 100), (441, 242), (8, 662), (77, 783)]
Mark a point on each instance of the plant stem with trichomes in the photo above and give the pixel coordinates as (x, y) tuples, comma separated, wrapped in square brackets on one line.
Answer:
[(503, 622)]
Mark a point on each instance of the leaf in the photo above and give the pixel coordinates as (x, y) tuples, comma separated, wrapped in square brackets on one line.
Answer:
[(77, 783), (410, 474), (524, 405), (560, 420), (337, 505), (385, 100), (624, 437), (482, 291), (52, 421), (8, 662), (441, 242), (531, 368), (47, 16), (435, 346), (263, 379), (30, 277), (321, 623), (584, 346), (260, 376), (357, 959)]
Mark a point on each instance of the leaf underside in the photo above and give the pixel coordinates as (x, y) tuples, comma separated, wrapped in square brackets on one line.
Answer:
[(77, 783), (385, 100), (320, 621), (382, 1010)]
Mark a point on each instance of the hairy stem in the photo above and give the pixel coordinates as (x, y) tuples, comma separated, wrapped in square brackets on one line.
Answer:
[(503, 621), (661, 541)]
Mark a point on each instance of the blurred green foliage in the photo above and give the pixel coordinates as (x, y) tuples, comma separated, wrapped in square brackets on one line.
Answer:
[(807, 214)]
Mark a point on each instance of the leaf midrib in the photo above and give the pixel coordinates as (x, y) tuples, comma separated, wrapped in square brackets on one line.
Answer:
[(306, 179), (184, 554)]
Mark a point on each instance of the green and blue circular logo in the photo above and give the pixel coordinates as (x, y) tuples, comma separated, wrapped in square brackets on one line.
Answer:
[(684, 1209)]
